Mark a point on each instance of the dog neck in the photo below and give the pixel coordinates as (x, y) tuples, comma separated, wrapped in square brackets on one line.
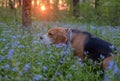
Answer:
[(70, 33)]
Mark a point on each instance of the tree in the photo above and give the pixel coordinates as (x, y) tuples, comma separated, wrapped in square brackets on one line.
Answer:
[(75, 8), (26, 13), (11, 4), (97, 3), (20, 3)]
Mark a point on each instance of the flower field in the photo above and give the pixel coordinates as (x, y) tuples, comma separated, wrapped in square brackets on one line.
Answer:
[(24, 58)]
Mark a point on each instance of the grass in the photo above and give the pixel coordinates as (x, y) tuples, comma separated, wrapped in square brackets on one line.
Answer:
[(24, 58)]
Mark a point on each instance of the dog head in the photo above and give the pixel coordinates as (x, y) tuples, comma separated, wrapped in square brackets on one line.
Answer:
[(54, 36)]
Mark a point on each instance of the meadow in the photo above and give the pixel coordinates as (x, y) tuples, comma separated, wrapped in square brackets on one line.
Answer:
[(24, 58)]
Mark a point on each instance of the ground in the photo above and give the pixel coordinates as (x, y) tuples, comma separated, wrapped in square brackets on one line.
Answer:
[(23, 57)]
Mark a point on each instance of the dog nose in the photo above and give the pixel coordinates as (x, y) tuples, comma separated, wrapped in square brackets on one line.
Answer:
[(41, 37)]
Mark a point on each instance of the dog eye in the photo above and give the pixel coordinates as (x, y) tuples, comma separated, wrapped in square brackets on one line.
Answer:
[(49, 33)]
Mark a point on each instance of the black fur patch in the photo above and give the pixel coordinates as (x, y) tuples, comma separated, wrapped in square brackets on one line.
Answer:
[(97, 48)]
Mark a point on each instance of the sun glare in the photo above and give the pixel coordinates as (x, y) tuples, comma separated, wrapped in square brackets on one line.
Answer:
[(60, 2), (33, 2), (43, 8), (16, 5), (51, 1), (38, 2)]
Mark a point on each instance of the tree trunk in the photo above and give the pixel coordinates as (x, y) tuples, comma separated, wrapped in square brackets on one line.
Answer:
[(20, 3), (75, 8), (26, 13), (11, 4), (6, 3), (96, 3)]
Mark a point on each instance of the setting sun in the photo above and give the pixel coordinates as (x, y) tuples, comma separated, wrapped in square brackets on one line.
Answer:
[(33, 2), (43, 8), (38, 2)]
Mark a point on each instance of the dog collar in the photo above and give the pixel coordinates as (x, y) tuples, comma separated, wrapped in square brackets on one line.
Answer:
[(69, 38), (69, 34)]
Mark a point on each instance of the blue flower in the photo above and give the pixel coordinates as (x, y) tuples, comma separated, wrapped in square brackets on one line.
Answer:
[(21, 46), (18, 63), (112, 47), (2, 58), (13, 37), (15, 69), (51, 57), (101, 56), (10, 54), (6, 77), (69, 75), (60, 45), (35, 42), (42, 52), (37, 77), (59, 73), (44, 68), (49, 52), (2, 39), (16, 44), (7, 66), (27, 67), (39, 63), (20, 73), (52, 65)]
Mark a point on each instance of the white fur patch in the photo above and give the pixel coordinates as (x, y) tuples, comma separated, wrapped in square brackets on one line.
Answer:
[(46, 39)]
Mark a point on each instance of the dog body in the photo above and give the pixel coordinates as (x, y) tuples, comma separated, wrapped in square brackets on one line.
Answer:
[(84, 44)]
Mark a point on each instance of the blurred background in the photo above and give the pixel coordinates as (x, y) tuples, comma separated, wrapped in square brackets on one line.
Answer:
[(100, 12)]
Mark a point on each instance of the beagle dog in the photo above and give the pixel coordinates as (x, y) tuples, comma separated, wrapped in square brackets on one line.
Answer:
[(84, 44)]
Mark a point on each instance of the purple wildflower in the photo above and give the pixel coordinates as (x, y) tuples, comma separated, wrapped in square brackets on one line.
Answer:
[(86, 52), (14, 69), (42, 52), (52, 65), (51, 57), (59, 73), (37, 77), (20, 73), (6, 77), (10, 54), (39, 63), (27, 67), (69, 75), (35, 42), (7, 66), (60, 45), (45, 68), (2, 39), (103, 32), (13, 37), (2, 58), (101, 56), (18, 63), (112, 46), (49, 52), (113, 66), (21, 46), (15, 44)]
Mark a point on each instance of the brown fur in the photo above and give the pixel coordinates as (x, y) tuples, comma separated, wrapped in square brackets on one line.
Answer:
[(106, 61), (57, 35)]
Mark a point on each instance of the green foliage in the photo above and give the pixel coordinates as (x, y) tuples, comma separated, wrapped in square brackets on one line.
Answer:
[(32, 60), (106, 13)]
